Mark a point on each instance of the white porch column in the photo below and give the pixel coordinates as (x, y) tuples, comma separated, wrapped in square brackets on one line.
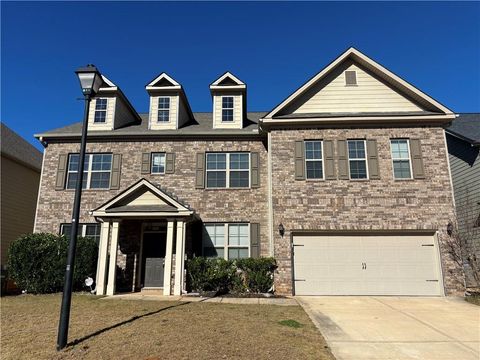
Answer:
[(102, 258), (167, 275), (112, 267), (179, 258)]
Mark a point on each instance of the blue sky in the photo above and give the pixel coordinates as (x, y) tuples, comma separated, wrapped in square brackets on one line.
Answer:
[(273, 47)]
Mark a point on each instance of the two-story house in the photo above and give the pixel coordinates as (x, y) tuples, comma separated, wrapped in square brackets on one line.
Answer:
[(345, 183)]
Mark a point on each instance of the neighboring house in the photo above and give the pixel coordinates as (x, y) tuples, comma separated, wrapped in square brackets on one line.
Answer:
[(345, 183), (21, 164), (463, 140)]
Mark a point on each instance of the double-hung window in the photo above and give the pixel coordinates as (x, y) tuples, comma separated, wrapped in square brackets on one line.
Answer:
[(96, 172), (228, 241), (227, 108), (163, 109), (228, 170), (100, 110), (401, 159), (357, 159), (158, 163), (314, 159), (84, 230)]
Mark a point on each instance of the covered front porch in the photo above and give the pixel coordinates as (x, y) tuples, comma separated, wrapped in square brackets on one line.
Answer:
[(143, 241)]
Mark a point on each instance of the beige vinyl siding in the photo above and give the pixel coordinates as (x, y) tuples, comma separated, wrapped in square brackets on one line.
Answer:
[(369, 95), (172, 124), (237, 122), (147, 198), (108, 124), (465, 169), (183, 117), (18, 198), (123, 114)]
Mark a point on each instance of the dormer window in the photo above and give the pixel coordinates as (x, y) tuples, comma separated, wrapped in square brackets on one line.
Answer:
[(163, 109), (100, 110), (227, 108)]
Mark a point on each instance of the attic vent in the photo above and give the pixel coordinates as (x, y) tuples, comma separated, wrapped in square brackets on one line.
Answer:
[(350, 78)]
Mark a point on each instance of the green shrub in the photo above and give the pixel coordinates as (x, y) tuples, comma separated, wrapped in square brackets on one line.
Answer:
[(210, 274), (36, 262), (237, 276), (257, 273)]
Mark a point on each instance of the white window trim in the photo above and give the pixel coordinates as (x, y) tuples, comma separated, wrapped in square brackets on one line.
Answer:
[(169, 109), (227, 170), (323, 162), (95, 111), (226, 246), (358, 159), (164, 163), (232, 108), (89, 170), (409, 159)]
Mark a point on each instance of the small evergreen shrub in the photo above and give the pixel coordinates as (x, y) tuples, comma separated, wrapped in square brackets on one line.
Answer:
[(36, 262), (235, 276)]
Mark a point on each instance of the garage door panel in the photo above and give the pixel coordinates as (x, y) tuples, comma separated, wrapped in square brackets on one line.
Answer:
[(366, 265)]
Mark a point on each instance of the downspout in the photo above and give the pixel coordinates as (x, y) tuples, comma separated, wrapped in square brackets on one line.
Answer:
[(270, 191)]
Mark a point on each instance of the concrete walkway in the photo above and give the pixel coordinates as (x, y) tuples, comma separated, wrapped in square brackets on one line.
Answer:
[(373, 328), (220, 299)]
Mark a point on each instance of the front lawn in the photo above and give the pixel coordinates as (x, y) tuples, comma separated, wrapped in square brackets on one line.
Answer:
[(128, 329)]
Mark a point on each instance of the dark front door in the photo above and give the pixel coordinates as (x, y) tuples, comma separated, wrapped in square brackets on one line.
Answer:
[(154, 245)]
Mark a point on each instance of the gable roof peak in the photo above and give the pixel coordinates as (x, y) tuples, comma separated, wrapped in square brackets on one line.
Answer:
[(227, 81), (163, 81)]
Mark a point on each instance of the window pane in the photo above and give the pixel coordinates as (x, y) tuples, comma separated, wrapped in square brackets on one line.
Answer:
[(164, 103), (66, 230), (400, 149), (238, 235), (216, 161), (213, 252), (216, 179), (100, 180), (314, 170), (158, 163), (100, 116), (239, 161), (313, 150), (356, 149), (163, 115), (227, 102), (401, 169), (358, 169), (237, 253), (101, 104), (239, 178), (72, 180), (227, 115)]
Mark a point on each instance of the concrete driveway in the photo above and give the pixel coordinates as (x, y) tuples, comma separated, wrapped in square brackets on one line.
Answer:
[(396, 327)]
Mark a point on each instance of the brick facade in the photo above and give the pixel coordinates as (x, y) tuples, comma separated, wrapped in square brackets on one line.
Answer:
[(384, 204)]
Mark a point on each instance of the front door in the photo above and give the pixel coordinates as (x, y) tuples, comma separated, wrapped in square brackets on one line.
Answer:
[(154, 245)]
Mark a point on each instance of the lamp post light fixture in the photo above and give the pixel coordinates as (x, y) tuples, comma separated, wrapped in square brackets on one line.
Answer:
[(90, 81)]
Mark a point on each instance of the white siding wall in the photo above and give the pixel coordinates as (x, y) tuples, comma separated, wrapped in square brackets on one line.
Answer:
[(108, 124), (237, 122), (370, 95), (173, 123)]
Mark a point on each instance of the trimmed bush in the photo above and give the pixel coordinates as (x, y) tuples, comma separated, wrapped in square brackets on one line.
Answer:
[(36, 262), (257, 273), (235, 276)]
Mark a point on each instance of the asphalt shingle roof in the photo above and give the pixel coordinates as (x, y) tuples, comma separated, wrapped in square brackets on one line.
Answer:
[(16, 147), (201, 125), (467, 127)]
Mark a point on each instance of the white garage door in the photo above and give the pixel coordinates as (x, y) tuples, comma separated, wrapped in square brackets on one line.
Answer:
[(366, 265)]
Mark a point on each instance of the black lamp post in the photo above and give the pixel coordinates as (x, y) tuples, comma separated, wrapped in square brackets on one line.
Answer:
[(90, 81)]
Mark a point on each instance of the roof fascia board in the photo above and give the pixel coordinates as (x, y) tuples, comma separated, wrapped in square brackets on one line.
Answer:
[(352, 52), (108, 81), (360, 119), (228, 87), (174, 87), (142, 214)]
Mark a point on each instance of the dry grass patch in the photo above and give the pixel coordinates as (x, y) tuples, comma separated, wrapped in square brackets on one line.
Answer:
[(127, 329)]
